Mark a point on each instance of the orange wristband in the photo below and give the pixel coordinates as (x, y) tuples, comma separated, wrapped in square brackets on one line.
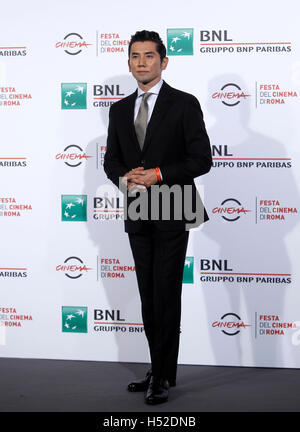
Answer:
[(158, 174)]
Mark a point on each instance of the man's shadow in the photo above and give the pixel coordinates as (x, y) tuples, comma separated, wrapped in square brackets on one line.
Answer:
[(249, 244), (246, 245), (108, 236)]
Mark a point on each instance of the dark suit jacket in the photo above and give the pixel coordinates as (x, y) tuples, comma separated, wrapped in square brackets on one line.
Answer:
[(176, 141)]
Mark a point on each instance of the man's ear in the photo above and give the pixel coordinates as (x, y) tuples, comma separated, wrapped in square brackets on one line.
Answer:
[(129, 66), (164, 63)]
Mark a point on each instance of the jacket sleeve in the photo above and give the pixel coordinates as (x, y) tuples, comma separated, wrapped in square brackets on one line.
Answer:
[(198, 159), (113, 162)]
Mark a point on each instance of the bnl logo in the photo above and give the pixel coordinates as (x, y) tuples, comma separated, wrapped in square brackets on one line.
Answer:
[(73, 96), (214, 35), (188, 272)]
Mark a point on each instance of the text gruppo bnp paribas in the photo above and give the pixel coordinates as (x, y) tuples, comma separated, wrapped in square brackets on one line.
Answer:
[(221, 270)]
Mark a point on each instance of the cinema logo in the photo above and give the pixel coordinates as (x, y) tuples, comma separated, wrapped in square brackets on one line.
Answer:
[(10, 317), (273, 210), (73, 268), (221, 42), (273, 94), (271, 325), (230, 324), (13, 162), (230, 95), (9, 207), (220, 270), (10, 97), (111, 43), (112, 321), (72, 44), (112, 268), (230, 210), (13, 51), (223, 157), (73, 156), (108, 207), (106, 95), (13, 272)]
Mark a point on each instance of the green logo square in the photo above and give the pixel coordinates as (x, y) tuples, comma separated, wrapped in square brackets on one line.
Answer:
[(74, 319), (180, 41), (188, 272), (73, 96), (73, 208)]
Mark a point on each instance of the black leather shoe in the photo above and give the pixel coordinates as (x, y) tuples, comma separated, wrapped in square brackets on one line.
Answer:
[(158, 391), (172, 382), (141, 385)]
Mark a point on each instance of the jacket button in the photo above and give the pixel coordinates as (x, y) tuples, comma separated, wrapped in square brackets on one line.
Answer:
[(143, 162)]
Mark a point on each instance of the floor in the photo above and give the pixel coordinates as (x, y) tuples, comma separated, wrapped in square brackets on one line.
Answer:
[(31, 385)]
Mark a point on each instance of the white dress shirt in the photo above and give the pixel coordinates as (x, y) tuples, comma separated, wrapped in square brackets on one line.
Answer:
[(151, 102), (151, 99)]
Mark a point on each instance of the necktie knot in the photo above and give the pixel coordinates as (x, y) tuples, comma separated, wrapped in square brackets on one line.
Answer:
[(145, 96)]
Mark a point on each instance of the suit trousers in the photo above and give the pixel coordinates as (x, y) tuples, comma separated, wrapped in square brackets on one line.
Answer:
[(159, 258)]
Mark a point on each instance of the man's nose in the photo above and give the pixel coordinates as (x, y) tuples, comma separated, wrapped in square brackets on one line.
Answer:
[(141, 61)]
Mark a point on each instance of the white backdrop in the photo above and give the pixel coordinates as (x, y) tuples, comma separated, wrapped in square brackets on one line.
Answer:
[(67, 280)]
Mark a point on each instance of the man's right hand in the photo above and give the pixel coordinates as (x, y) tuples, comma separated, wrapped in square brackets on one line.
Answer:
[(134, 178)]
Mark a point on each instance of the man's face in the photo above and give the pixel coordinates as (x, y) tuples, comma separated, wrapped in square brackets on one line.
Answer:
[(144, 62)]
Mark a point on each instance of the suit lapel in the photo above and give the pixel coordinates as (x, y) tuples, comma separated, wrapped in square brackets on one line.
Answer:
[(161, 107), (129, 116)]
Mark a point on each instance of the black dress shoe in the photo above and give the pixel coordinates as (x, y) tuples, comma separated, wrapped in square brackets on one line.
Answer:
[(141, 385), (172, 382), (158, 391)]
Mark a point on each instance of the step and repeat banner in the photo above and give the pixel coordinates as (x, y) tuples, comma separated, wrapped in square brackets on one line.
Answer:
[(68, 286)]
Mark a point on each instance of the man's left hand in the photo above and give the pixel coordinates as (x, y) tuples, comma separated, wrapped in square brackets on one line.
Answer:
[(146, 177)]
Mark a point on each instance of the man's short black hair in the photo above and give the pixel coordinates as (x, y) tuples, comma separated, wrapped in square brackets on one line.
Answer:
[(144, 36)]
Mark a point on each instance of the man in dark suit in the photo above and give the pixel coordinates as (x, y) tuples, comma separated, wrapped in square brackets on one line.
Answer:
[(157, 142)]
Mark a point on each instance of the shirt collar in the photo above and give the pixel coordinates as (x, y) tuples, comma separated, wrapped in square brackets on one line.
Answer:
[(155, 89)]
